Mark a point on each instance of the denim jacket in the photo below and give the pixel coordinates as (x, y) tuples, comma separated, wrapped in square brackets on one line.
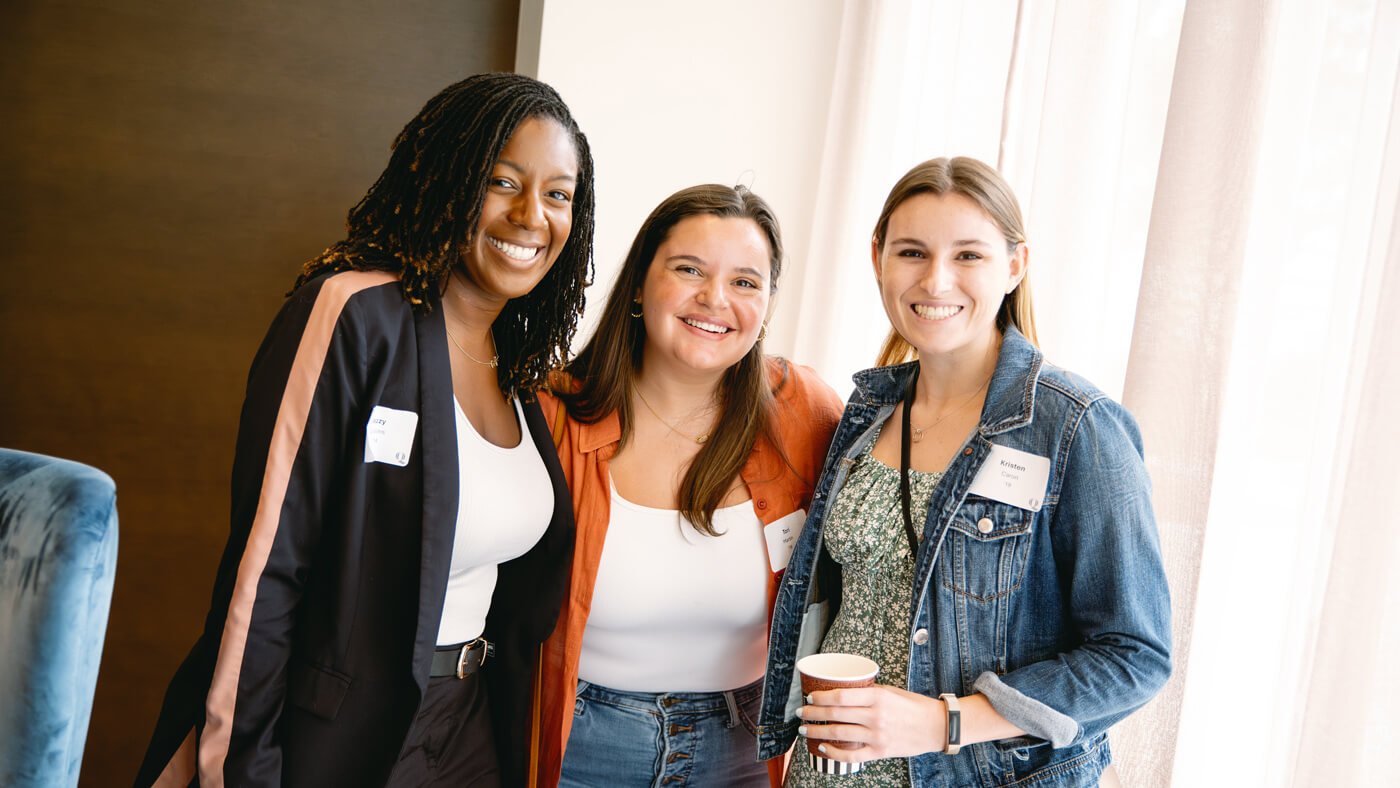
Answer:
[(1060, 617)]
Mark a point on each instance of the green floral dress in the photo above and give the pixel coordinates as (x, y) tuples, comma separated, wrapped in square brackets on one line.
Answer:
[(865, 534)]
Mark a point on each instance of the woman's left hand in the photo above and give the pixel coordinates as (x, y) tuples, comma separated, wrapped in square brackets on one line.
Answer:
[(887, 722)]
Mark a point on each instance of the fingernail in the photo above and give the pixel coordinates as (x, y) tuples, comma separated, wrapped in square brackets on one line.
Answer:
[(807, 698), (799, 712), (821, 748), (801, 730)]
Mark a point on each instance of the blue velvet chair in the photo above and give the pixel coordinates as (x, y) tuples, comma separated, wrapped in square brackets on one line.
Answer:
[(58, 554)]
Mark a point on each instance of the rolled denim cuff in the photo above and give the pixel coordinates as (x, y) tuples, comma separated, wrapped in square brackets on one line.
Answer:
[(1027, 713)]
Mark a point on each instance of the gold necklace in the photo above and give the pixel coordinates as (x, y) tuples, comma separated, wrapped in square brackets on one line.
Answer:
[(917, 433), (494, 356), (669, 425)]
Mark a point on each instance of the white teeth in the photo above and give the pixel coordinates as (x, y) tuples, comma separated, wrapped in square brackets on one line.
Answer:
[(521, 253), (936, 312), (710, 327)]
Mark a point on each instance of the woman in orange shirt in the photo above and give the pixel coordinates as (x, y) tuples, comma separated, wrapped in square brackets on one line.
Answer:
[(691, 458)]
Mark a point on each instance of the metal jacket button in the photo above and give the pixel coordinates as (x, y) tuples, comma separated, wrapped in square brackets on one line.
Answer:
[(920, 637), (985, 525)]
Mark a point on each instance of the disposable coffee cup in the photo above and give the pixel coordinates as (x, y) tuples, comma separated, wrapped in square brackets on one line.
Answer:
[(834, 671)]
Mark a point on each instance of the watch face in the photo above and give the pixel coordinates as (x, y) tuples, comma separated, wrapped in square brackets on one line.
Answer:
[(954, 723)]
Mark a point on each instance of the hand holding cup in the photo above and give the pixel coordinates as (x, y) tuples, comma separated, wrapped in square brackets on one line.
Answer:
[(834, 671)]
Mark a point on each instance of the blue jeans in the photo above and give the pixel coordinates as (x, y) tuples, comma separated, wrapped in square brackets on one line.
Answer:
[(675, 738)]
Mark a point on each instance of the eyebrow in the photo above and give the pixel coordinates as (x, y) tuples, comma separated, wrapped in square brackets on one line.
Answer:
[(518, 168), (917, 242), (754, 272)]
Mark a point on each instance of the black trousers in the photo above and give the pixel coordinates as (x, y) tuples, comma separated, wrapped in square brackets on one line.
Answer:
[(450, 741)]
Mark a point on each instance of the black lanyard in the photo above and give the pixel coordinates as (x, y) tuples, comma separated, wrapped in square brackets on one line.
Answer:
[(904, 466)]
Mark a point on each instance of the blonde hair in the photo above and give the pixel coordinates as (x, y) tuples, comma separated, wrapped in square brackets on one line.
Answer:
[(983, 185)]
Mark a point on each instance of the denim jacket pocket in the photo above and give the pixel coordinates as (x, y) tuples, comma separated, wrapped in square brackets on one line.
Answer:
[(986, 548)]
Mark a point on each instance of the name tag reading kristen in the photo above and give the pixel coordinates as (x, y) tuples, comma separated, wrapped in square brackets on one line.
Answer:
[(389, 435), (1013, 476), (781, 536)]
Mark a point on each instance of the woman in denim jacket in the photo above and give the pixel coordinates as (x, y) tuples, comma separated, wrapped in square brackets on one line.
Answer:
[(1013, 585)]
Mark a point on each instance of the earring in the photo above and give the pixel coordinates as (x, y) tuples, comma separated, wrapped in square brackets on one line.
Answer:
[(638, 311), (763, 332)]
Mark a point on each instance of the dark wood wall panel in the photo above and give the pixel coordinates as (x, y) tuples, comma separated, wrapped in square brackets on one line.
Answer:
[(165, 168)]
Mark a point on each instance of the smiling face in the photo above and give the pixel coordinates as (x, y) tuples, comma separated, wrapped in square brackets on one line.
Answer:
[(527, 212), (705, 295), (943, 273)]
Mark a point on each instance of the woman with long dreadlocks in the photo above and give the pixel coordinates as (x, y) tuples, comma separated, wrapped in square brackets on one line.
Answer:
[(400, 528)]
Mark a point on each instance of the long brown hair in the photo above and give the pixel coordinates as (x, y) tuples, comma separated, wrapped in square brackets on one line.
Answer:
[(605, 371), (983, 185), (422, 211)]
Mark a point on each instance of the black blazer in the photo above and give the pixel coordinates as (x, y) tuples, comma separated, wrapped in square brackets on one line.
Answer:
[(316, 650)]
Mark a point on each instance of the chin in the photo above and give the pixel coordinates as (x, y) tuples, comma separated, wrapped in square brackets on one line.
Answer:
[(705, 364), (931, 346), (521, 283)]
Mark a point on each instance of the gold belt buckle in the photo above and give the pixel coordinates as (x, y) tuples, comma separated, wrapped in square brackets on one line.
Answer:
[(466, 649)]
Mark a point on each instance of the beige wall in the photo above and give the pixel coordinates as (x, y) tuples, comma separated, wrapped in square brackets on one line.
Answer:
[(165, 167)]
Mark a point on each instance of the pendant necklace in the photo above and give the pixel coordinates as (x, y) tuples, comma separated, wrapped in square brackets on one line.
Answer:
[(917, 433), (495, 358), (669, 425)]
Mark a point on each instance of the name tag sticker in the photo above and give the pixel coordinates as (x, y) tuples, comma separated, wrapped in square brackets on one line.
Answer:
[(781, 535), (389, 435), (1013, 476)]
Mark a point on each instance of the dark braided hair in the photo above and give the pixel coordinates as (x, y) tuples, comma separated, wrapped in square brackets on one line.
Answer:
[(416, 219)]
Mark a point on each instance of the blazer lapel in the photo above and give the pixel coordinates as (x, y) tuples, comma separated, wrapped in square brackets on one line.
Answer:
[(440, 483)]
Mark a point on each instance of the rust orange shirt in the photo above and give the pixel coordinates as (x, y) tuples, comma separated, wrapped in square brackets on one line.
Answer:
[(805, 415)]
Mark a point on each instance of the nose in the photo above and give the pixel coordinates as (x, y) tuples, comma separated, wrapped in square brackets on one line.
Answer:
[(712, 293), (527, 210), (938, 277)]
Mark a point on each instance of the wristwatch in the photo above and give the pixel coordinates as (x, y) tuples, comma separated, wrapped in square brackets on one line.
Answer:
[(954, 725)]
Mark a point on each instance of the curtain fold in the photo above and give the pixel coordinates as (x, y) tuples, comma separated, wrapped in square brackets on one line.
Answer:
[(913, 81), (1349, 726), (828, 283), (1181, 340), (1081, 144), (1276, 529)]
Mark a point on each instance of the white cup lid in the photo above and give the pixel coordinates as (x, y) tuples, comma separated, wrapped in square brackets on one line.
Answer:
[(838, 667)]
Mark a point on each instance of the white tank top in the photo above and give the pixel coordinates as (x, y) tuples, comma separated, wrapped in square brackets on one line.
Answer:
[(675, 610), (504, 505)]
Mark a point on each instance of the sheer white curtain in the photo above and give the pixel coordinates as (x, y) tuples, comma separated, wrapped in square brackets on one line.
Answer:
[(1211, 190), (1296, 591), (911, 79), (1067, 99)]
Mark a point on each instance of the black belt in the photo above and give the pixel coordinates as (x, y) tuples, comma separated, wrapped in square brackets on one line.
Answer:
[(461, 661)]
